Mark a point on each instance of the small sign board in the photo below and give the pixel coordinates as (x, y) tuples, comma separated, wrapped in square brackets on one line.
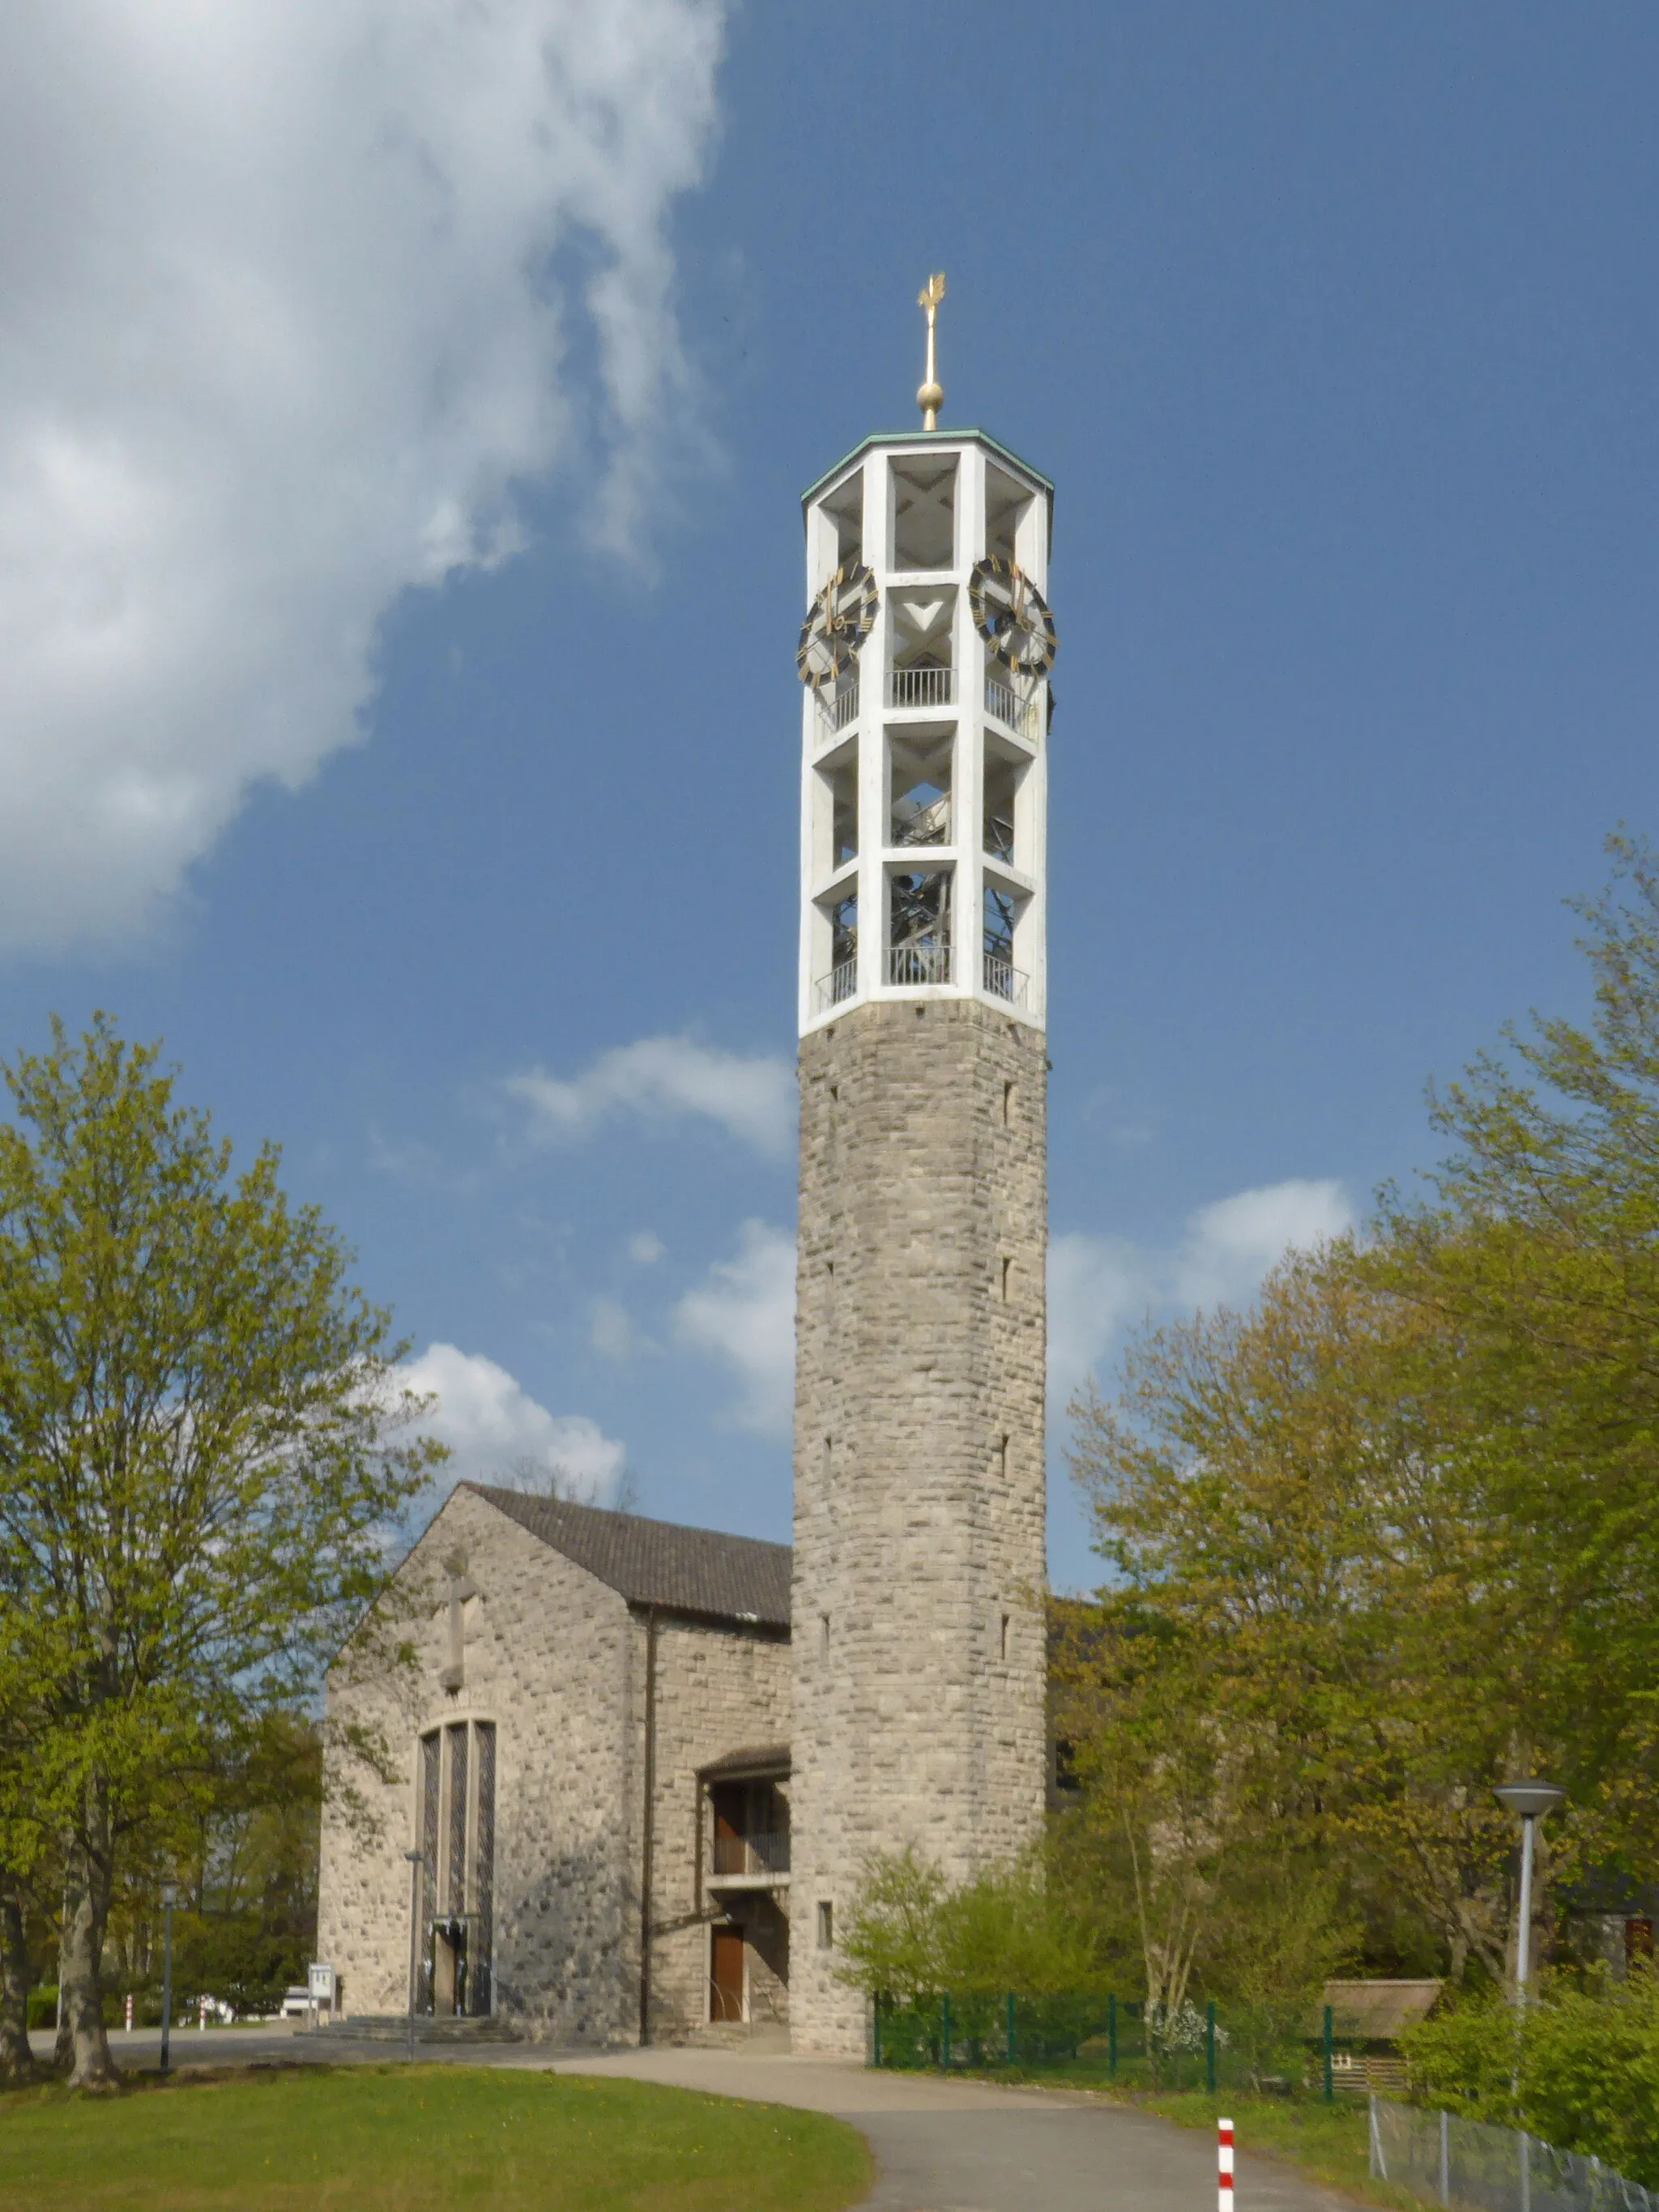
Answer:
[(321, 1984)]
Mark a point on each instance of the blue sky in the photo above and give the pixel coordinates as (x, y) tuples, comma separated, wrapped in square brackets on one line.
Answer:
[(403, 415)]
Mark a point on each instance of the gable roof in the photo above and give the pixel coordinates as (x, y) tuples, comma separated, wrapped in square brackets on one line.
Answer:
[(659, 1562)]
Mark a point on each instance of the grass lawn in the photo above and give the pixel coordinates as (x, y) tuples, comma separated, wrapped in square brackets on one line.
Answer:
[(417, 2139)]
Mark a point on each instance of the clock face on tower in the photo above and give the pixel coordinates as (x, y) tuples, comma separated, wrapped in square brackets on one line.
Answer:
[(1012, 617), (837, 623)]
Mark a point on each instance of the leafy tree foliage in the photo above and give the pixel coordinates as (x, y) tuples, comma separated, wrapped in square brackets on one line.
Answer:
[(202, 1450), (1393, 1536)]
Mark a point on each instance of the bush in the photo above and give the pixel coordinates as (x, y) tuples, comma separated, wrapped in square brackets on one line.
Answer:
[(43, 2006), (911, 1933), (1579, 2067)]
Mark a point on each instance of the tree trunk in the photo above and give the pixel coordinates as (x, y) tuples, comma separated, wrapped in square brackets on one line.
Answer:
[(16, 2060), (83, 1951)]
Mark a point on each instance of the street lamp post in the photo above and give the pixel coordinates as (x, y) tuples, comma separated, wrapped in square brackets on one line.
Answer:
[(169, 1895), (1531, 1800), (414, 1858)]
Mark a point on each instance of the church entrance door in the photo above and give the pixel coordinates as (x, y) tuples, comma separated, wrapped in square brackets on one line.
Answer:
[(448, 1970), (725, 1973)]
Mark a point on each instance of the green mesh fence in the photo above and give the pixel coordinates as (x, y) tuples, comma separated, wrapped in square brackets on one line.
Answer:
[(1102, 2037)]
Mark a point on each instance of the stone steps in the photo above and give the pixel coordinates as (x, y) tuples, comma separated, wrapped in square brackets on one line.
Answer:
[(393, 2027)]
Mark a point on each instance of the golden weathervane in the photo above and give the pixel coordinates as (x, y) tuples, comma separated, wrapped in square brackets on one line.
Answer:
[(931, 397)]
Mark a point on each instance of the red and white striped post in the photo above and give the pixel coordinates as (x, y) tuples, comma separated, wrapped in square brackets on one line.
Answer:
[(1223, 2130), (129, 2012), (201, 2021)]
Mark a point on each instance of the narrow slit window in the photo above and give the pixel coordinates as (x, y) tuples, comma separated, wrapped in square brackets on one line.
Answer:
[(1006, 1265), (1004, 1635), (826, 1924)]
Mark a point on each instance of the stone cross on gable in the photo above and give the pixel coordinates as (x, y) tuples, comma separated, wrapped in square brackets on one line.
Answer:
[(461, 1586)]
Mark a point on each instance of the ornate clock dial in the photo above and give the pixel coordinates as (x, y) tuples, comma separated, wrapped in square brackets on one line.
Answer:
[(1012, 617), (837, 623)]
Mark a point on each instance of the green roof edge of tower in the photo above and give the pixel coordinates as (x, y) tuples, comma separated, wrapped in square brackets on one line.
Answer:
[(932, 438)]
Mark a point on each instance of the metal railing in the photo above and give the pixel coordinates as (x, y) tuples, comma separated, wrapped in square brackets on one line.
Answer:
[(921, 687), (1016, 714), (1465, 2162), (925, 962), (840, 983), (752, 1855), (843, 706), (1004, 981)]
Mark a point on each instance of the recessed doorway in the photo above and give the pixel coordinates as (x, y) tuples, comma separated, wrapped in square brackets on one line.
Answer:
[(725, 1973)]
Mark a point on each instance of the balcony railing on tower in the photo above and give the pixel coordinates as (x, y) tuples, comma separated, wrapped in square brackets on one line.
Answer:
[(920, 960), (1004, 981), (1019, 714), (925, 686), (840, 707), (839, 984)]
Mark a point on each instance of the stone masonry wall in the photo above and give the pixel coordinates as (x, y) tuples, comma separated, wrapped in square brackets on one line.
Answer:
[(919, 1657), (548, 1654), (721, 1687)]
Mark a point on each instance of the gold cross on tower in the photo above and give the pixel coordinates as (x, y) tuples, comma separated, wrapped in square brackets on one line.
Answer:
[(931, 396)]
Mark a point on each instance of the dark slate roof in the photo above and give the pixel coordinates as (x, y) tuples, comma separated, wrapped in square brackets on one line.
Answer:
[(657, 1562)]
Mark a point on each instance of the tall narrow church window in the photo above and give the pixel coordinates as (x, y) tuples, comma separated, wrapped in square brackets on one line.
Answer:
[(456, 1885), (484, 1861), (455, 1936)]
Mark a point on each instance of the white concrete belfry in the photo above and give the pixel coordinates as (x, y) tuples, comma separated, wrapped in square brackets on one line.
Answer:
[(918, 1639), (924, 754)]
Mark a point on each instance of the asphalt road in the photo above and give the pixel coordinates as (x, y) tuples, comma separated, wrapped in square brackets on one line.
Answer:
[(939, 2145)]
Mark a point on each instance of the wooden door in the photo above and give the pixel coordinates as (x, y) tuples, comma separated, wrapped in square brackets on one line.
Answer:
[(730, 1801), (725, 1977)]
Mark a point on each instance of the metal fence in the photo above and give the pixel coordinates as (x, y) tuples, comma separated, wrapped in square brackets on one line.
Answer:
[(1464, 2162), (1097, 2036)]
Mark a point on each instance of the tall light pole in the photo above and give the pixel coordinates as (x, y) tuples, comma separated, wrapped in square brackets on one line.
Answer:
[(414, 1858), (1531, 1800), (169, 1897)]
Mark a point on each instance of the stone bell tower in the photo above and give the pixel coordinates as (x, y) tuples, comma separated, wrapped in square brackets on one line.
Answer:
[(918, 1633)]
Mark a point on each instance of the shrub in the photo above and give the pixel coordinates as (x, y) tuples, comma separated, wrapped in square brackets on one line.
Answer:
[(1579, 2067)]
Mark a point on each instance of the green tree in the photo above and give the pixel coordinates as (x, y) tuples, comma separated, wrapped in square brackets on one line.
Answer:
[(204, 1449)]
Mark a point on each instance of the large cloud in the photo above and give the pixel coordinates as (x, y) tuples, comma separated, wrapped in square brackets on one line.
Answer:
[(1098, 1283), (283, 314), (743, 1314), (497, 1432), (753, 1096)]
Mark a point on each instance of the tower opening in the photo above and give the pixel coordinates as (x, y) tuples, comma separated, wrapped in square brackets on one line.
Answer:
[(1003, 773), (925, 511), (921, 644), (919, 931), (1003, 979), (919, 763)]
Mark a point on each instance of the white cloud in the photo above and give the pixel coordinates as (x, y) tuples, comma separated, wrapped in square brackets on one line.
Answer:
[(494, 1428), (646, 1248), (1095, 1284), (1229, 1246), (744, 1314), (612, 1330), (287, 297), (1098, 1284), (661, 1077)]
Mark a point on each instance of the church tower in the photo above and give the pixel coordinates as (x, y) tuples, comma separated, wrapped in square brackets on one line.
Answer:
[(918, 1654)]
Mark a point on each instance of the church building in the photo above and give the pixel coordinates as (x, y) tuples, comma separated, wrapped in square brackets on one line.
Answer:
[(630, 1774)]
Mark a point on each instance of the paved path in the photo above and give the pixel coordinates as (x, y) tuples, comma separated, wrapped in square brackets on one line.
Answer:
[(940, 2145), (971, 2146)]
